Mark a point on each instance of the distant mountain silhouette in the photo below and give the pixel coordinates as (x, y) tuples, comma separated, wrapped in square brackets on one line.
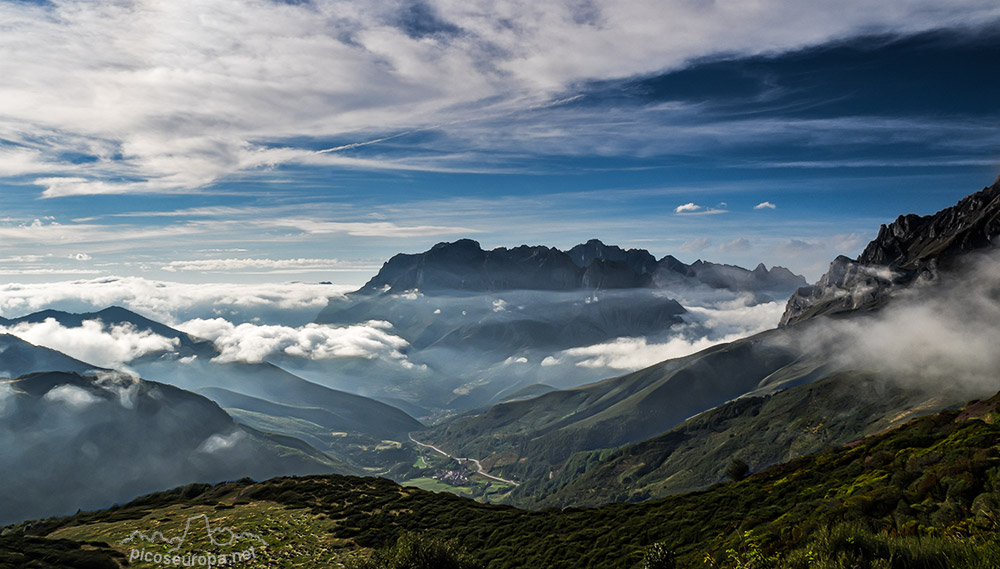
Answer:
[(74, 441), (464, 266), (262, 380)]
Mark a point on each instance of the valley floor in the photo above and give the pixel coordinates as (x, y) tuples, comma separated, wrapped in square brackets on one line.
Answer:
[(924, 495)]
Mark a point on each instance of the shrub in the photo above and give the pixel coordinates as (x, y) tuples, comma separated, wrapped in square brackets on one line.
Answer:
[(658, 556), (737, 470), (413, 551)]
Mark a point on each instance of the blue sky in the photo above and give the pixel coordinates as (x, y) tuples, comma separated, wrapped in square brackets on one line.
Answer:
[(273, 141)]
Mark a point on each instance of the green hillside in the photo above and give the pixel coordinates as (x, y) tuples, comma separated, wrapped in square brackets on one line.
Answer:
[(760, 431), (923, 495), (527, 439)]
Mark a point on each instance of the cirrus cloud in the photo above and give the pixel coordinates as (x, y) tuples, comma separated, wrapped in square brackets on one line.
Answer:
[(176, 96), (268, 265)]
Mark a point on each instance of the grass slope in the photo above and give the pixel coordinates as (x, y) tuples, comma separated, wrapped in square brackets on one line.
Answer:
[(761, 431), (528, 439), (920, 496)]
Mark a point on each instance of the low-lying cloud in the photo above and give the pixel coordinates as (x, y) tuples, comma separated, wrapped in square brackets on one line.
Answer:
[(93, 341), (728, 318), (633, 353), (172, 302), (255, 343), (71, 395), (941, 334)]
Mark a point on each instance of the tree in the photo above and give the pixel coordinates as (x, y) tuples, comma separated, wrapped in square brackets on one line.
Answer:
[(737, 470)]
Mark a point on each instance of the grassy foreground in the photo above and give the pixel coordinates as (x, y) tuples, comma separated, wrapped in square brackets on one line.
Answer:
[(924, 495)]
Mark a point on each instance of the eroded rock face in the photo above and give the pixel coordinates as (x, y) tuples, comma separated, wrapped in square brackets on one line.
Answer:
[(908, 249), (464, 266)]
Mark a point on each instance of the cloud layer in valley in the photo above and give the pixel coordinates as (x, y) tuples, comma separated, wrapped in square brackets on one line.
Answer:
[(93, 342), (725, 318), (171, 302), (254, 343)]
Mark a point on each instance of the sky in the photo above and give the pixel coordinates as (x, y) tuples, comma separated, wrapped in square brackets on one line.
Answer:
[(259, 141)]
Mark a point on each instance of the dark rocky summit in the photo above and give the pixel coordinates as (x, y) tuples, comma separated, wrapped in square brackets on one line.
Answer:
[(465, 266), (909, 249)]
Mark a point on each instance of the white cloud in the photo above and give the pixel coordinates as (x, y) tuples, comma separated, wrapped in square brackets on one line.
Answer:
[(93, 342), (939, 333), (738, 315), (219, 441), (695, 245), (635, 353), (709, 321), (46, 271), (692, 208), (688, 208), (80, 257), (362, 229), (765, 205), (266, 265), (6, 394), (253, 343), (737, 245), (175, 96), (812, 256), (171, 302), (71, 395), (51, 232)]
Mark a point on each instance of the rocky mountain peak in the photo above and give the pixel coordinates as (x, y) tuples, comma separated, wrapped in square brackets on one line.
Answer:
[(464, 266), (904, 250)]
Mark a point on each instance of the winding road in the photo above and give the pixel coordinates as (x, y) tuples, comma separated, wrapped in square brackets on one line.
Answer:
[(479, 467)]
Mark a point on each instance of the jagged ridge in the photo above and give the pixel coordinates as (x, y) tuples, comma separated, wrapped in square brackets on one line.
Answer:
[(909, 249), (464, 266)]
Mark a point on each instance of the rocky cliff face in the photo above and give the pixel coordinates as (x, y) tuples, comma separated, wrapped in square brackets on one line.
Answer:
[(465, 266), (908, 249)]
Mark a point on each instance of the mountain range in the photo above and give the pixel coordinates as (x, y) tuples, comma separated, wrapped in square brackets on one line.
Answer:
[(464, 266), (480, 325), (674, 426), (57, 416), (467, 316), (74, 441)]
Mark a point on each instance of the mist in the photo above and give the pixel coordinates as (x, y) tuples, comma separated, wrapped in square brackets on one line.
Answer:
[(94, 342), (446, 350), (940, 334), (256, 343), (72, 441), (470, 349), (291, 304)]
